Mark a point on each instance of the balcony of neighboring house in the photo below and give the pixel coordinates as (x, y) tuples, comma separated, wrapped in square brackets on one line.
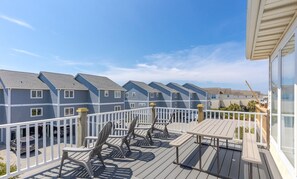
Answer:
[(41, 150)]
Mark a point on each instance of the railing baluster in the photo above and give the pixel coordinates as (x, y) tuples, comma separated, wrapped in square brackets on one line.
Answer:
[(44, 141), (261, 137), (18, 152), (71, 133), (8, 151), (36, 143), (52, 139), (27, 146), (65, 132), (58, 139)]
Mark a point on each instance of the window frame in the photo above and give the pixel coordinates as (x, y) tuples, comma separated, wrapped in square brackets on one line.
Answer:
[(132, 104), (117, 106), (69, 91), (69, 111), (106, 93), (41, 112), (117, 94), (36, 92)]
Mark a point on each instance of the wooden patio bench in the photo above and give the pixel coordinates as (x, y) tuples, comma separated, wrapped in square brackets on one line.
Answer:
[(250, 151), (178, 142)]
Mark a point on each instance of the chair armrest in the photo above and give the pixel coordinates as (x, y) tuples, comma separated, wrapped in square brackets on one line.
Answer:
[(72, 149), (143, 128), (91, 138), (120, 129), (115, 136)]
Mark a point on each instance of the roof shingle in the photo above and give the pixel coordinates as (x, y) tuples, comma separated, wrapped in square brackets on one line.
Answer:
[(145, 86), (102, 82), (63, 81), (21, 80)]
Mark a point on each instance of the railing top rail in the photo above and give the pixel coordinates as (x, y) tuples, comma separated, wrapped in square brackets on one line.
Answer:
[(176, 108), (37, 121), (113, 112), (238, 112)]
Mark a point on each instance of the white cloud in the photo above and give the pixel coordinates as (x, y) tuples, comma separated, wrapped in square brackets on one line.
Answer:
[(17, 21), (64, 62), (26, 52), (223, 63)]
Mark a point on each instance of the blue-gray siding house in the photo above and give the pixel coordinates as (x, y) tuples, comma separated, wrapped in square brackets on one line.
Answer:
[(67, 94), (139, 95), (199, 97), (168, 96), (23, 98), (184, 96), (105, 94)]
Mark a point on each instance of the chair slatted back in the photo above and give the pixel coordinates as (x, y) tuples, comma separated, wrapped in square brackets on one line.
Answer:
[(132, 125), (102, 137)]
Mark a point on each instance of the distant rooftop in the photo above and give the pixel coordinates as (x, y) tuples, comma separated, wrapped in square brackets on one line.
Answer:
[(63, 81), (230, 91), (102, 82), (21, 80), (181, 87), (144, 86), (165, 87)]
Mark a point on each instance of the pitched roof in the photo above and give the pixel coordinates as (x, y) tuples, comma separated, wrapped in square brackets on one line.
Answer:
[(183, 88), (63, 81), (102, 82), (213, 90), (144, 86), (165, 87), (21, 80), (194, 86)]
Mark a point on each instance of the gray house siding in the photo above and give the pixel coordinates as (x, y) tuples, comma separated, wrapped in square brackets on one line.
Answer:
[(107, 108), (110, 98), (80, 96), (199, 97), (3, 119), (93, 92), (23, 114), (183, 97), (71, 106), (139, 98), (53, 91), (165, 98), (23, 96)]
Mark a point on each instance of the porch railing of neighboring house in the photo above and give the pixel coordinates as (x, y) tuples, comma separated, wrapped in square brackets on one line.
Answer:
[(51, 135)]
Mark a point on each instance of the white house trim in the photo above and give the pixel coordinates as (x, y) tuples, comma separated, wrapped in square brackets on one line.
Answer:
[(9, 106)]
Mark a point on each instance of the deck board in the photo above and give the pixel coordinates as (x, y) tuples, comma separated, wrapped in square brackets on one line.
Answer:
[(156, 162)]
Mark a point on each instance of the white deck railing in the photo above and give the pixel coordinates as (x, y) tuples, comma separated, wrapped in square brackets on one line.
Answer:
[(50, 135)]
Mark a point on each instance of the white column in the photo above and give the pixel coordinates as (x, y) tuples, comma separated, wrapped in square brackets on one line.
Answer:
[(279, 100), (295, 106), (99, 94), (9, 106), (58, 103)]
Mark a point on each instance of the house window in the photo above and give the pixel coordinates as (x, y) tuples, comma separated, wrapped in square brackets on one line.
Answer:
[(141, 104), (133, 94), (117, 108), (228, 96), (152, 95), (157, 95), (35, 112), (213, 96), (68, 94), (69, 111), (132, 105), (106, 93), (36, 94), (117, 94)]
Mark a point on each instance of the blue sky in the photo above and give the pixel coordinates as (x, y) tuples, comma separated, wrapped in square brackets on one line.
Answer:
[(183, 41)]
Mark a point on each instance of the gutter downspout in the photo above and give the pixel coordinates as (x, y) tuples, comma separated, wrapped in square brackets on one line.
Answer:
[(9, 106)]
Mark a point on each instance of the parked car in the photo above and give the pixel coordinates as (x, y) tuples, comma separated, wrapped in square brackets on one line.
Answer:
[(23, 148)]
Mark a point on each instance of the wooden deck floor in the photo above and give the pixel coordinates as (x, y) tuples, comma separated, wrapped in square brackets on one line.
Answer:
[(156, 162)]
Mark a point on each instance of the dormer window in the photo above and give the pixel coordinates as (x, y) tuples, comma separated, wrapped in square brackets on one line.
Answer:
[(36, 94), (133, 94), (106, 93), (68, 94)]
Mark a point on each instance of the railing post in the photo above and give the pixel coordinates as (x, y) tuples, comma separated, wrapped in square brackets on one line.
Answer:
[(268, 129), (82, 125), (153, 105), (200, 113)]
